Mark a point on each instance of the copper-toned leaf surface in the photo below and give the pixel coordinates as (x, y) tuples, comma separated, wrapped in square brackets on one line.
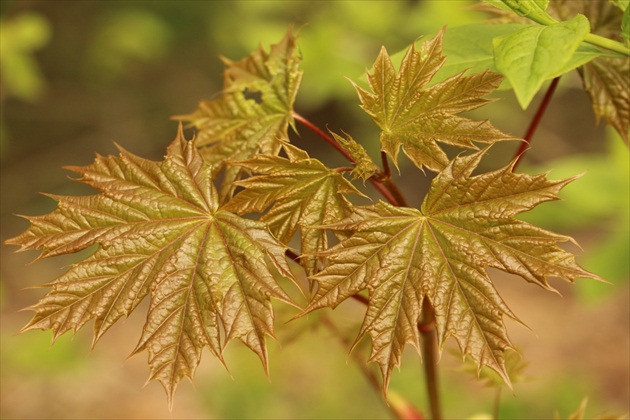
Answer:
[(441, 252), (255, 108), (364, 166), (300, 193), (160, 233), (415, 117)]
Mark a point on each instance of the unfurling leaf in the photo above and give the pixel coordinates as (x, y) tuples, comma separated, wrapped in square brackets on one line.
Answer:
[(415, 117), (255, 108), (160, 232), (364, 166), (304, 193), (440, 253)]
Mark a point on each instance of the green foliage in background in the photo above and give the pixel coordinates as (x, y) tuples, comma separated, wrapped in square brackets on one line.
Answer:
[(20, 38)]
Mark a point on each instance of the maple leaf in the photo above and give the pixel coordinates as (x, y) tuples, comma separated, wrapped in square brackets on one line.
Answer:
[(415, 117), (364, 166), (440, 253), (607, 82), (605, 79), (255, 108), (301, 191), (160, 232)]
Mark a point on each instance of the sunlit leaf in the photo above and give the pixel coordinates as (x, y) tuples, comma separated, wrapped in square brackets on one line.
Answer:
[(299, 193), (160, 232), (255, 108), (531, 9), (441, 252), (534, 54), (415, 117), (605, 79)]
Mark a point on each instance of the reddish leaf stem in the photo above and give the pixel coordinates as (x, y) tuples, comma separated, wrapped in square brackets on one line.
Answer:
[(429, 355), (383, 184), (392, 189), (296, 258), (323, 135), (361, 298), (520, 153), (386, 171)]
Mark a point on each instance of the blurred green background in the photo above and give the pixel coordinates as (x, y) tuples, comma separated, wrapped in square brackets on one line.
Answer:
[(77, 76)]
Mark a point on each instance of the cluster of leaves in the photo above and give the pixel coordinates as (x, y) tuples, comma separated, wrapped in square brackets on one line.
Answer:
[(565, 35), (180, 231)]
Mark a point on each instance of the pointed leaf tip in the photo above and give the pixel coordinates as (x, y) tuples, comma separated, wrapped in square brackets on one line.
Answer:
[(466, 224), (414, 116), (159, 233), (235, 126)]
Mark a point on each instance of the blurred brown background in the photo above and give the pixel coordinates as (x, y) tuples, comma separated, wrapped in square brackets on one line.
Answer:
[(80, 75)]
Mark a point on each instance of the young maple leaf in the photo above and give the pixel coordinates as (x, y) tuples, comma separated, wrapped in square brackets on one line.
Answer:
[(415, 117), (304, 193), (160, 232), (255, 108), (364, 166), (441, 253)]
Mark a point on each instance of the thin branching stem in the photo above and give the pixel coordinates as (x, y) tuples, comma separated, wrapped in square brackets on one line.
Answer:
[(397, 198), (383, 184), (533, 125), (328, 139), (296, 258), (369, 374), (429, 354)]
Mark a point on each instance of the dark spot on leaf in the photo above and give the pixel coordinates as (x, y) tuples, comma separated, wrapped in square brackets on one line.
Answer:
[(254, 95)]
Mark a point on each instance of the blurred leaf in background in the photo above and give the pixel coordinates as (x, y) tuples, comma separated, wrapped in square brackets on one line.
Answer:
[(20, 37), (339, 40), (125, 38), (20, 75)]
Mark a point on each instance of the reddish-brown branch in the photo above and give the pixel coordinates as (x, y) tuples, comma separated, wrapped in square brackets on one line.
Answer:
[(383, 184), (397, 197), (361, 298), (295, 257), (386, 171), (328, 139), (520, 153), (429, 355)]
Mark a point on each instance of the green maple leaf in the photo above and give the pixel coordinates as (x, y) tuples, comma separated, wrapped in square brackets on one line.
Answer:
[(255, 108), (415, 117), (160, 232), (302, 192), (440, 253)]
